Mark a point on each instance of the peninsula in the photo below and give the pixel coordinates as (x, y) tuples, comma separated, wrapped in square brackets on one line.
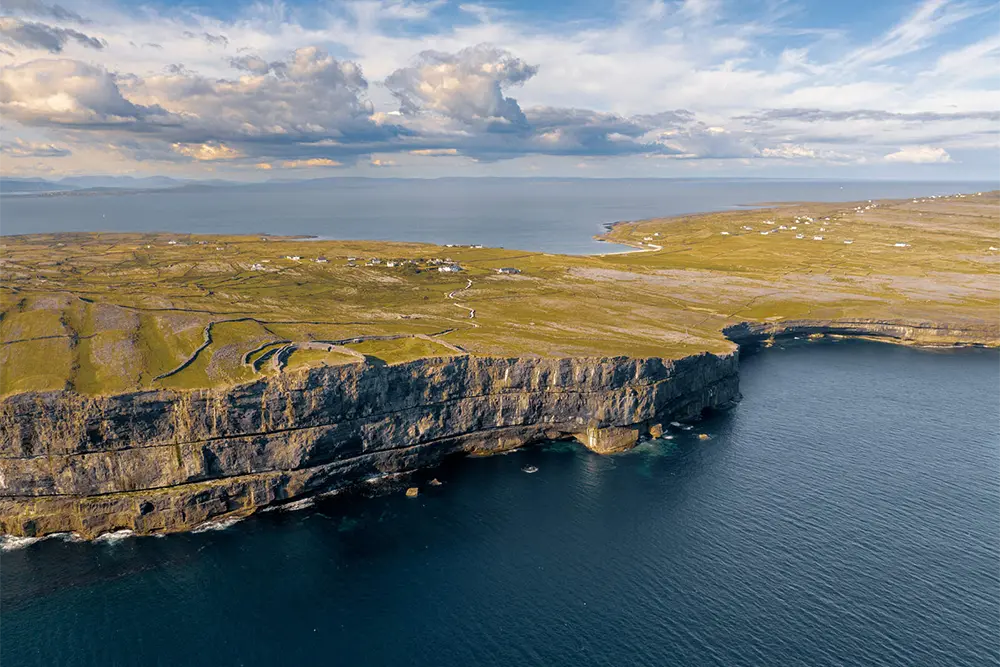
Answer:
[(152, 382)]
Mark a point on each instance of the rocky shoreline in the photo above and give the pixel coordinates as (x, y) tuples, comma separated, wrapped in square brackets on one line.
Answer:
[(931, 334), (162, 461), (167, 461)]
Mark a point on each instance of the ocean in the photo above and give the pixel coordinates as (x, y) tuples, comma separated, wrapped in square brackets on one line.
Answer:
[(548, 215), (845, 513)]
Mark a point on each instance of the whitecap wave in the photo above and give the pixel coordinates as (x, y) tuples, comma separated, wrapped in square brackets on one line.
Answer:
[(221, 524), (297, 505), (294, 506), (12, 542), (115, 537)]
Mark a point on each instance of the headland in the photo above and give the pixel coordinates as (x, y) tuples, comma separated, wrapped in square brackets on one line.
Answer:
[(152, 382)]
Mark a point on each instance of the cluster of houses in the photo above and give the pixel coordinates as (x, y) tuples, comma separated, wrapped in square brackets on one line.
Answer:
[(446, 265), (442, 265), (954, 196), (807, 220)]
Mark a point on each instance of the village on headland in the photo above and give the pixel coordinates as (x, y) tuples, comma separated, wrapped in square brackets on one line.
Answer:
[(442, 265), (817, 226), (101, 313)]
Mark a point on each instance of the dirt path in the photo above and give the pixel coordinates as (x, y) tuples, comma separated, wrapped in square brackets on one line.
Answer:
[(649, 247), (472, 311)]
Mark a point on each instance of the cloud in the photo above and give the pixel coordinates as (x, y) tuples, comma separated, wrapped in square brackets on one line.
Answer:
[(67, 93), (696, 80), (306, 104), (214, 40), (19, 148), (700, 8), (311, 162), (381, 162), (915, 33), (457, 102), (819, 115), (42, 10), (919, 155), (434, 152), (789, 152), (31, 35), (466, 87), (309, 98), (207, 152), (253, 64)]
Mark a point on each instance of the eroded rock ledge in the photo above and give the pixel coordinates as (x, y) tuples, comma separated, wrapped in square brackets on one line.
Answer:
[(157, 461), (971, 332)]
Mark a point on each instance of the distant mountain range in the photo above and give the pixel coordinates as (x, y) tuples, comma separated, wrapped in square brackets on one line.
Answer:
[(126, 184)]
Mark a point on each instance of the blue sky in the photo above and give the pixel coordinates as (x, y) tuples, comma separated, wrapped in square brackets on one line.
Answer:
[(250, 91)]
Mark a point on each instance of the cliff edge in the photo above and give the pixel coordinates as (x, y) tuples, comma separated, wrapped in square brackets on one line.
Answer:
[(159, 461)]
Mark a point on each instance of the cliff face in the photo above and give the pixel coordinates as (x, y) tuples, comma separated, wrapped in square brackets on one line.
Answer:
[(901, 331), (162, 460)]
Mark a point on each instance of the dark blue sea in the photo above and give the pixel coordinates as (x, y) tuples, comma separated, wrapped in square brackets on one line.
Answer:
[(847, 512), (549, 215)]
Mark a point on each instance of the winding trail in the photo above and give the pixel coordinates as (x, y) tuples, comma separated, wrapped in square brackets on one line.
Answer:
[(472, 311)]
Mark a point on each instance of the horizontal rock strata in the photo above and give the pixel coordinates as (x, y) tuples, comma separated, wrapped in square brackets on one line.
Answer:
[(156, 461), (972, 332)]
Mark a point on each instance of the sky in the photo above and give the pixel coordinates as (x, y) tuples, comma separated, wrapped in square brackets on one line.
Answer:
[(430, 88)]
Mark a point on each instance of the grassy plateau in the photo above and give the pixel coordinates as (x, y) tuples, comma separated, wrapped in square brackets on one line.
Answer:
[(105, 313)]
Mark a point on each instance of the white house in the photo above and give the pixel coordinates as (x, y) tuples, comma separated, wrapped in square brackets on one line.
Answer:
[(508, 270), (450, 268)]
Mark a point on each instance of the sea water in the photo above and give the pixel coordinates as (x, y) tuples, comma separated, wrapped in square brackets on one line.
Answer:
[(549, 215), (845, 513)]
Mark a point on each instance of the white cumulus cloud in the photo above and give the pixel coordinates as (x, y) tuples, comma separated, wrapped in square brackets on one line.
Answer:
[(919, 155)]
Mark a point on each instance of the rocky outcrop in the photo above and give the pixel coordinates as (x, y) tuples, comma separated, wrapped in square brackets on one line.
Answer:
[(973, 332), (164, 461)]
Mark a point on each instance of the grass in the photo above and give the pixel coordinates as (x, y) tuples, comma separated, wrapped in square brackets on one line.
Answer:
[(401, 350), (307, 358), (105, 313)]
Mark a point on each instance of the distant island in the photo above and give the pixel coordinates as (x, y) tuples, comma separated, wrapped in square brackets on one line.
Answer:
[(152, 382)]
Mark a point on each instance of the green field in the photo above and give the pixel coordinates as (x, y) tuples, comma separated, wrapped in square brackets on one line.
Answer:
[(106, 313)]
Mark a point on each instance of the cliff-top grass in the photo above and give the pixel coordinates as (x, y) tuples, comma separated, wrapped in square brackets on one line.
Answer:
[(104, 313)]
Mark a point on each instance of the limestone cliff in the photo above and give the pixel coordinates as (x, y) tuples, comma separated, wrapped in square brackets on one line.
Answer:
[(972, 332), (162, 460)]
